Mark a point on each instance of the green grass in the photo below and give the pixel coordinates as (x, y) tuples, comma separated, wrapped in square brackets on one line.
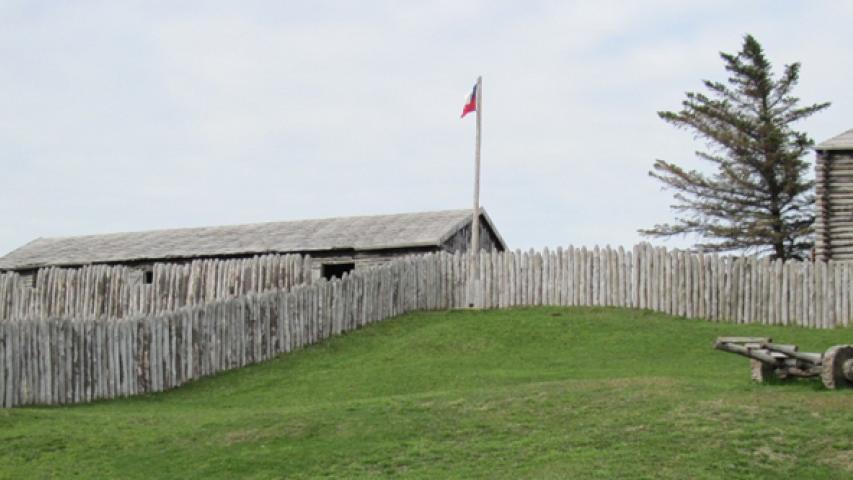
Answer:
[(525, 393)]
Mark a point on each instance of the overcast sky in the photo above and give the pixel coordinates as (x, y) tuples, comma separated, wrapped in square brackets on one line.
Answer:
[(125, 116)]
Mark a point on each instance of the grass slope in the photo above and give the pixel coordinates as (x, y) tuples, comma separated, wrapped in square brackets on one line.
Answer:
[(541, 393)]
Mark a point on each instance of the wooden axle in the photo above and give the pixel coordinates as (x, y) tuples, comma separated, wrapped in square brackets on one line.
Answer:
[(759, 354), (792, 351)]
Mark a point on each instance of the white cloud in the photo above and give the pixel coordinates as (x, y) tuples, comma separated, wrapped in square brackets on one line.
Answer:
[(146, 115)]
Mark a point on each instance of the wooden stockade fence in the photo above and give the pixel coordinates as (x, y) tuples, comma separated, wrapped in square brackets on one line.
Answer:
[(64, 361), (118, 291), (681, 283)]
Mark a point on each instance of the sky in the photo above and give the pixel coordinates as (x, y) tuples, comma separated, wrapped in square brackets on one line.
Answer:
[(121, 116)]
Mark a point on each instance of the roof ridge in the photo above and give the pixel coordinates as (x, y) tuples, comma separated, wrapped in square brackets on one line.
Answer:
[(252, 224)]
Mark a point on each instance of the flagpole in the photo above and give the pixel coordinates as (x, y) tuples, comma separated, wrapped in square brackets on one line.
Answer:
[(475, 223)]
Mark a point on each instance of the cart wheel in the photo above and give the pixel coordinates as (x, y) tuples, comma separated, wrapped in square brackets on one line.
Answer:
[(761, 372), (838, 367)]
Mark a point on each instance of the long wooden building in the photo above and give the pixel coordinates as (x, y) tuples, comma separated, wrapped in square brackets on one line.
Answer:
[(834, 178), (337, 245)]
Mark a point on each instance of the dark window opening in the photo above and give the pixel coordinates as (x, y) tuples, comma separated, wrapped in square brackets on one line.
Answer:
[(148, 277), (35, 278), (336, 270)]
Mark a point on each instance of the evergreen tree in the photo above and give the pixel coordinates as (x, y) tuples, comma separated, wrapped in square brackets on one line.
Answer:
[(758, 200)]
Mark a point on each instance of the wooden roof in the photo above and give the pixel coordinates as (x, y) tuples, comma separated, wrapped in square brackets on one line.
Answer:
[(376, 232), (839, 142)]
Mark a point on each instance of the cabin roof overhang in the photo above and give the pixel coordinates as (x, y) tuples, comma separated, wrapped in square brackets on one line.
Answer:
[(840, 142)]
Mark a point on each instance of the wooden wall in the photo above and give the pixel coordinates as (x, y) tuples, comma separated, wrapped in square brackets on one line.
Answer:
[(834, 202), (461, 240), (66, 361), (117, 291), (717, 288), (55, 361), (362, 259)]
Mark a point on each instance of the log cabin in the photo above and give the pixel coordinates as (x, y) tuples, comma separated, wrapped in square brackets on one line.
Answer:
[(834, 198), (336, 245)]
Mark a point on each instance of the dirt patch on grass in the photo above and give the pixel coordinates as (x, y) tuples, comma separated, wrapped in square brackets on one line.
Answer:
[(253, 435), (248, 435), (838, 401), (842, 460), (769, 455)]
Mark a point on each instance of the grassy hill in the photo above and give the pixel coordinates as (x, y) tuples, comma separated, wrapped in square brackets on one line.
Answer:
[(535, 393)]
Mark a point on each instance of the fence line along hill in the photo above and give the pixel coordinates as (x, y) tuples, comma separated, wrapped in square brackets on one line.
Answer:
[(99, 291), (51, 360)]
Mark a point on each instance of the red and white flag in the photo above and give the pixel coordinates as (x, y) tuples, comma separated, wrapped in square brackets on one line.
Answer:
[(470, 103)]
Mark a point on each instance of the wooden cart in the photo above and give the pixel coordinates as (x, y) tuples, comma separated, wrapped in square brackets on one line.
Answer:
[(782, 361)]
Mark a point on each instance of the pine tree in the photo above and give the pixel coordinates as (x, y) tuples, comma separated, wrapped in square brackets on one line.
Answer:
[(758, 200)]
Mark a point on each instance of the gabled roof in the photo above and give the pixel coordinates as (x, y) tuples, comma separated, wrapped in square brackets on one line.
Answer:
[(840, 142), (375, 232)]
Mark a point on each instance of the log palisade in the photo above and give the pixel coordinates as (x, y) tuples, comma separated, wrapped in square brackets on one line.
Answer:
[(57, 360)]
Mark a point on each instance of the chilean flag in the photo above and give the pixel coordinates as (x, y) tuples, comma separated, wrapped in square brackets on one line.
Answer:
[(470, 103)]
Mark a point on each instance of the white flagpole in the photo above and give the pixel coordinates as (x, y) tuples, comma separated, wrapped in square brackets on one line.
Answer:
[(474, 300)]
